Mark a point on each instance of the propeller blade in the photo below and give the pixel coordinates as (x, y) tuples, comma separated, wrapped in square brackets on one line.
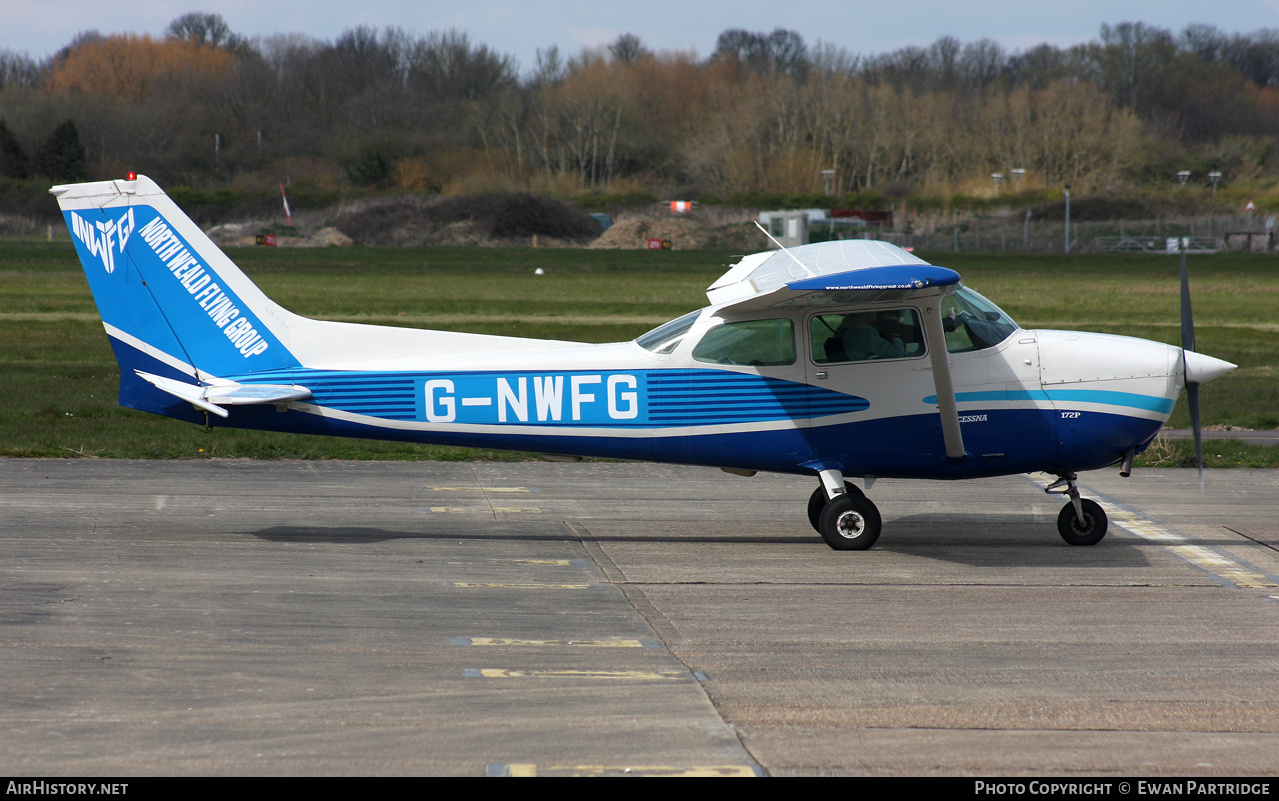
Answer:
[(1187, 348), (1187, 319), (1192, 395)]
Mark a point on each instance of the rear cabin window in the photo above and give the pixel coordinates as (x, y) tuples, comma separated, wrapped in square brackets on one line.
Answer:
[(866, 336), (756, 343)]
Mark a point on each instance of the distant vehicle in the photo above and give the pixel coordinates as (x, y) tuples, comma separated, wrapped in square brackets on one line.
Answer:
[(836, 360)]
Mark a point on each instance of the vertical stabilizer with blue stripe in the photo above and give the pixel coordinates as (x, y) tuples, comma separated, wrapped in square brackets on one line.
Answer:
[(173, 304)]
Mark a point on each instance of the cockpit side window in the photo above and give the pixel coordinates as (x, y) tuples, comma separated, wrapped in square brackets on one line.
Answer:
[(751, 342), (866, 335), (973, 323)]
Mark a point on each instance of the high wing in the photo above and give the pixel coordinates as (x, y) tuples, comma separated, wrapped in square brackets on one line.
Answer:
[(844, 273), (849, 271)]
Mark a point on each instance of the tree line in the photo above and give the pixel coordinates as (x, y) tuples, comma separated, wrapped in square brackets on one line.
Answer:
[(766, 112)]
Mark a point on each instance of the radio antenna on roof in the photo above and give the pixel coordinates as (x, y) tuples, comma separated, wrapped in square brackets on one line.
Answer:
[(801, 264)]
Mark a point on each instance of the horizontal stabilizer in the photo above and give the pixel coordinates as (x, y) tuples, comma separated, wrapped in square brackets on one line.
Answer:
[(245, 394), (226, 393)]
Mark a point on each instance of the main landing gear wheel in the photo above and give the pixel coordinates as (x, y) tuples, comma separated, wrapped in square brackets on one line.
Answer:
[(849, 522), (1087, 531), (817, 501)]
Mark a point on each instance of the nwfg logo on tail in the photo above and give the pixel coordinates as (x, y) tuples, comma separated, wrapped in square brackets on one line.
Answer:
[(103, 238)]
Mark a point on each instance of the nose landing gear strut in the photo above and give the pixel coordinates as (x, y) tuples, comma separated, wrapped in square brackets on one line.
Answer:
[(1082, 521)]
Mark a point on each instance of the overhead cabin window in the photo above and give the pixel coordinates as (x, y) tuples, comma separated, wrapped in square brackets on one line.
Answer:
[(866, 336), (973, 323), (758, 343), (667, 336)]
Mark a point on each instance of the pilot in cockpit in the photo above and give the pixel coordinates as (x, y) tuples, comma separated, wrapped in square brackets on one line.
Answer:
[(863, 338)]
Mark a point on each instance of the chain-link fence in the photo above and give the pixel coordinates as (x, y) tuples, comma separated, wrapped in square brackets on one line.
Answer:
[(1255, 234)]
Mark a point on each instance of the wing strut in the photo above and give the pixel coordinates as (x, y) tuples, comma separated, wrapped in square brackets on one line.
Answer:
[(939, 357)]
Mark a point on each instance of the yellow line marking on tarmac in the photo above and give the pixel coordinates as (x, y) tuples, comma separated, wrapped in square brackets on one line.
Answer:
[(510, 641), (564, 673), (479, 489), (529, 769), (517, 585), (541, 562), (515, 510), (1206, 558)]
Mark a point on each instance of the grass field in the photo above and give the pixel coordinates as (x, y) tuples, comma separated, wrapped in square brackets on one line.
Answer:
[(58, 379)]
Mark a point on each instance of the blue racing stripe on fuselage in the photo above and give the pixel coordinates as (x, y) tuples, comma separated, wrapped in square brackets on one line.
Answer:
[(604, 398), (1131, 400), (1149, 403)]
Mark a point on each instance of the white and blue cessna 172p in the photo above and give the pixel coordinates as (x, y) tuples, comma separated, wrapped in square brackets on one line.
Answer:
[(836, 360)]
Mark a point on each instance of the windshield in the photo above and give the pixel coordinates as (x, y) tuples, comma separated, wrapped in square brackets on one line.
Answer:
[(972, 323), (666, 337)]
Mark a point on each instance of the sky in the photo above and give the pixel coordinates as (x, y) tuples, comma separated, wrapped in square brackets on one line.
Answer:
[(519, 28)]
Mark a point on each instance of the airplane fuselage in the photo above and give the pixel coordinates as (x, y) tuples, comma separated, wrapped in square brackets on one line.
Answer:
[(1019, 411)]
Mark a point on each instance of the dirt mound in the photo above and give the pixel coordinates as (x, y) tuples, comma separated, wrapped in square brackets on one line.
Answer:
[(234, 233), (246, 234), (684, 233), (500, 219), (329, 237)]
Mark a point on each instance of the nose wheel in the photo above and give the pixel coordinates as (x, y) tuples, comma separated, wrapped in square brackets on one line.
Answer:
[(1082, 521)]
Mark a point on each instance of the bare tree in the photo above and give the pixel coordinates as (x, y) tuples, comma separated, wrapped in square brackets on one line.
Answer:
[(206, 29), (447, 65), (781, 51), (628, 49), (18, 70)]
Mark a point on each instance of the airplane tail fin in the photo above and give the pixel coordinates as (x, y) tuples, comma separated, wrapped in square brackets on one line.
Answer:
[(172, 303)]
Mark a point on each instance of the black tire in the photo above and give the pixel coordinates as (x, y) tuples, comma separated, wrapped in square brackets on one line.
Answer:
[(1088, 531), (849, 523), (818, 500)]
